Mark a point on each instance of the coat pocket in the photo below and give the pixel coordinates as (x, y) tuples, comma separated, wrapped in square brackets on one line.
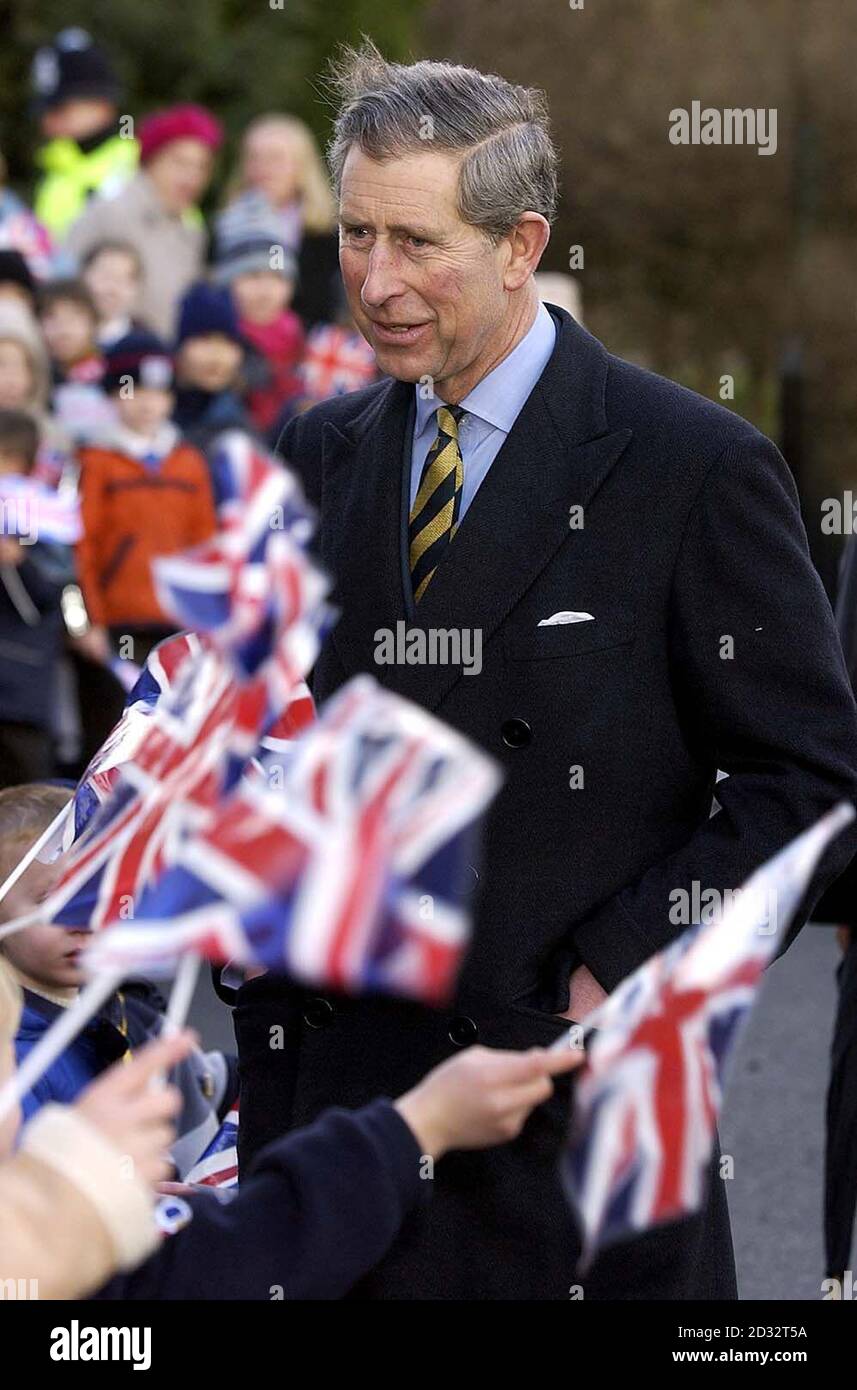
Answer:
[(606, 628)]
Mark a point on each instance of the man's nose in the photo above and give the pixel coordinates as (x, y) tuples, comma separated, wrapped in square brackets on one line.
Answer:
[(383, 280)]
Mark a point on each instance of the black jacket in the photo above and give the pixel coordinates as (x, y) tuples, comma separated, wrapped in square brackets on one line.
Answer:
[(315, 1213), (32, 633), (711, 645)]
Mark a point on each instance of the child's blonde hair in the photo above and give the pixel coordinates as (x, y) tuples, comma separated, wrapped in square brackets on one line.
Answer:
[(25, 812)]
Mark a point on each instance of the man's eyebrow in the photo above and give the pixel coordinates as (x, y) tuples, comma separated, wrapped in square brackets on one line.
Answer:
[(409, 228)]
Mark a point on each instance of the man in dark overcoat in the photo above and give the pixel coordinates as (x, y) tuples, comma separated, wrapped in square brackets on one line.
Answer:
[(609, 583)]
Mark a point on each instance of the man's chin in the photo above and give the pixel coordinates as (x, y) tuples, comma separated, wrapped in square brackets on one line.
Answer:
[(403, 364)]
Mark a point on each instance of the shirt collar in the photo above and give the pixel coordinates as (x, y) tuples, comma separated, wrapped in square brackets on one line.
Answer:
[(499, 397), (141, 449)]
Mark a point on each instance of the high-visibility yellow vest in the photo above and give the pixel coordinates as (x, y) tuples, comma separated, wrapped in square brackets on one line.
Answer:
[(71, 175)]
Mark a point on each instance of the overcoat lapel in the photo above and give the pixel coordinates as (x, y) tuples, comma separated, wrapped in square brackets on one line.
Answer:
[(556, 457)]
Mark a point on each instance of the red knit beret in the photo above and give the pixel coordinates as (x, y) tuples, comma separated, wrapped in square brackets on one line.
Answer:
[(187, 122)]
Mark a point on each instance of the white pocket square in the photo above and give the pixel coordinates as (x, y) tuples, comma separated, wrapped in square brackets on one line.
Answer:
[(565, 617)]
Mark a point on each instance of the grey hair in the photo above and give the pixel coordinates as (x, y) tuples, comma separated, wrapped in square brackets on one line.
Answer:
[(389, 110)]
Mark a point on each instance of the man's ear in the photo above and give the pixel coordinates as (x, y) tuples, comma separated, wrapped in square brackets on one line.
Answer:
[(527, 241)]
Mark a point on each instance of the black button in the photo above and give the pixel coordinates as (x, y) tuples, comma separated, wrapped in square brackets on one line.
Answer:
[(463, 1032), (516, 733), (318, 1013)]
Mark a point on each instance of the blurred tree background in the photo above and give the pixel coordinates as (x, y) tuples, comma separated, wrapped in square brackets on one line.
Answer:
[(705, 260), (699, 261)]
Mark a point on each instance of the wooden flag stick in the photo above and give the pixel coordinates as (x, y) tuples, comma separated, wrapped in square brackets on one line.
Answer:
[(182, 993), (33, 852), (58, 1037)]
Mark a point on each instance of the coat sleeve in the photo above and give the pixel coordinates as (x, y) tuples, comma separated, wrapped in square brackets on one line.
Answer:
[(91, 508), (762, 692), (69, 1212), (316, 1212)]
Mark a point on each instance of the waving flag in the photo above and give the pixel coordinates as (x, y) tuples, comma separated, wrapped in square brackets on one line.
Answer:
[(339, 865), (647, 1099), (218, 1166), (172, 779), (34, 512), (252, 579), (252, 587), (162, 670)]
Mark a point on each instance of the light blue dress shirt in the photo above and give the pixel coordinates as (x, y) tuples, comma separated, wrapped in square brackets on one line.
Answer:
[(492, 408)]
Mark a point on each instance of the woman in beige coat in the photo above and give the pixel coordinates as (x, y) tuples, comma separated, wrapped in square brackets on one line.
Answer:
[(76, 1197), (157, 211)]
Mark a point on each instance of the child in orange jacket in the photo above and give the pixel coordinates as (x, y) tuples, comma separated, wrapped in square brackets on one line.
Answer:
[(145, 492)]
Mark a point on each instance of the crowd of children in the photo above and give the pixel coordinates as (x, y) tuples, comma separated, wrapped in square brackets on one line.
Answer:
[(131, 336)]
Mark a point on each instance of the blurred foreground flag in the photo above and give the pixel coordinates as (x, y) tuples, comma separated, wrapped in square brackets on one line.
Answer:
[(33, 512), (647, 1099), (159, 676), (218, 1166), (341, 864), (173, 778), (252, 586)]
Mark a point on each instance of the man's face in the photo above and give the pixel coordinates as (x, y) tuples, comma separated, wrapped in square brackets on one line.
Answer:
[(425, 288), (47, 954), (77, 119)]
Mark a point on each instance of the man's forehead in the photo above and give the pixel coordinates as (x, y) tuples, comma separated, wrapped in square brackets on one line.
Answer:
[(419, 185)]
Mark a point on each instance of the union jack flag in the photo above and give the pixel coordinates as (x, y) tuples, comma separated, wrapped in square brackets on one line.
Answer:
[(158, 677), (218, 1166), (172, 779), (647, 1098), (252, 588), (336, 360), (31, 510), (338, 865)]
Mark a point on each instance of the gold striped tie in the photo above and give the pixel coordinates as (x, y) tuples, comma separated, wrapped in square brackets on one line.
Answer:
[(434, 515)]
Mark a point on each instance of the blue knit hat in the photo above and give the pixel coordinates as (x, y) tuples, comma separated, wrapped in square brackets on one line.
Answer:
[(207, 309), (140, 357)]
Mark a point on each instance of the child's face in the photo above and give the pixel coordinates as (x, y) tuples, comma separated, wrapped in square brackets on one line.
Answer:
[(10, 463), (211, 362), (262, 295), (11, 293), (16, 376), (111, 279), (49, 955), (68, 330), (144, 410)]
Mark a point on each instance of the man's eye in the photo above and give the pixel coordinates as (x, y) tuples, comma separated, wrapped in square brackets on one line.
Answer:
[(357, 233), (417, 242)]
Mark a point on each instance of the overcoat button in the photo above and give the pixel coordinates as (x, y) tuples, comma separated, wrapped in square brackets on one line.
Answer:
[(318, 1013), (463, 1032), (516, 733)]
